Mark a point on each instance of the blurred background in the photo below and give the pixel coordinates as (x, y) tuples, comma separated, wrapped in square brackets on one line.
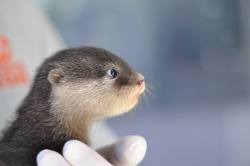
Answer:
[(195, 56)]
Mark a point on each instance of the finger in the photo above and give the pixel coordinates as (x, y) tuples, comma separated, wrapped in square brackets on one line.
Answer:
[(48, 157), (79, 154), (129, 151)]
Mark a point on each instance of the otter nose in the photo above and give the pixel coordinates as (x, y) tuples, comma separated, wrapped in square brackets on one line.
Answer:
[(140, 80)]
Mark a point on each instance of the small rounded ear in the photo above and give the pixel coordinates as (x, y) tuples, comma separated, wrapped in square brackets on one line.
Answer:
[(55, 76)]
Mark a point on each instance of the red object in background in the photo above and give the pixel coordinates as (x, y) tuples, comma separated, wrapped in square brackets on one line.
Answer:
[(5, 55), (11, 73)]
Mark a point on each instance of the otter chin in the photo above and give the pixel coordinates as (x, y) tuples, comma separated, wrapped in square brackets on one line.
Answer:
[(71, 90)]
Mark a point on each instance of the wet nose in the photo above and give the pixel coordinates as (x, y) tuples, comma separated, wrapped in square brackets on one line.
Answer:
[(140, 80)]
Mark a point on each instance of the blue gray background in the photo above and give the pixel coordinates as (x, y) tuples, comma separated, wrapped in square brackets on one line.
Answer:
[(195, 55)]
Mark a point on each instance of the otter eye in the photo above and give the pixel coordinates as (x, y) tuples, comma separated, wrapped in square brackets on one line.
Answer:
[(112, 73)]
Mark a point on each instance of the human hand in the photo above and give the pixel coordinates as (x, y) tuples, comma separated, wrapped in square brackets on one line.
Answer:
[(128, 151)]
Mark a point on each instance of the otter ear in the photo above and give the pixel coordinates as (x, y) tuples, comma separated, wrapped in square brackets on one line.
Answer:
[(55, 76)]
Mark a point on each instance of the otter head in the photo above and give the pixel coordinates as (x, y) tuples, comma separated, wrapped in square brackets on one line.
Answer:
[(93, 83)]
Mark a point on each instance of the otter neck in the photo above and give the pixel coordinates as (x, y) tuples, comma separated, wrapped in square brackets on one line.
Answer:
[(78, 128), (73, 111), (64, 115), (75, 125)]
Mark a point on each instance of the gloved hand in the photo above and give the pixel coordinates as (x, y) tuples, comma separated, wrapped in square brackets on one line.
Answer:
[(128, 151)]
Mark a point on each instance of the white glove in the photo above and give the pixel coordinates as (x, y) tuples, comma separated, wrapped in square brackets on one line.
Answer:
[(128, 151)]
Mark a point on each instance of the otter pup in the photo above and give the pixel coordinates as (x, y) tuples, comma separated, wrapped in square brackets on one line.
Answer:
[(71, 90)]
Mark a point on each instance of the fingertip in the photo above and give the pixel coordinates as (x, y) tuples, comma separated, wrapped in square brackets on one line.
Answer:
[(131, 150), (138, 150), (78, 153), (42, 154), (49, 157), (72, 146)]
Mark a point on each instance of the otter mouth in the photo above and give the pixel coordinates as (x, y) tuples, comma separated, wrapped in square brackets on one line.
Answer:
[(136, 94)]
